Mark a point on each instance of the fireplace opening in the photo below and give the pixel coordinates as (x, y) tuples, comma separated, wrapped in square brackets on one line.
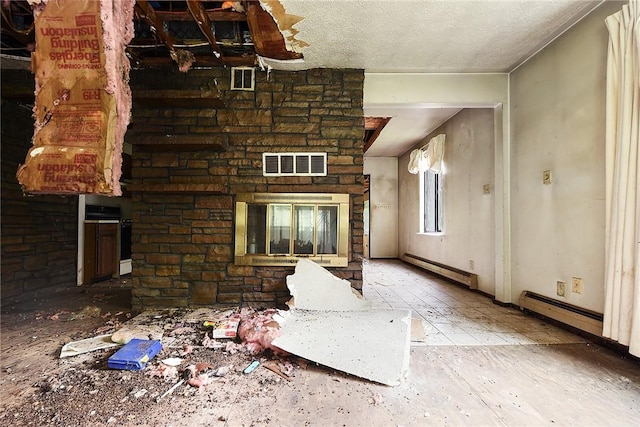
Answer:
[(277, 228)]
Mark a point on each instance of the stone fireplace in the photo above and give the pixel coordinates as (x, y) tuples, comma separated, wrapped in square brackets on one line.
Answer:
[(199, 173)]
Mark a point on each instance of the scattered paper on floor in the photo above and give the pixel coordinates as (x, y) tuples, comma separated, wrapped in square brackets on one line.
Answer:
[(99, 342)]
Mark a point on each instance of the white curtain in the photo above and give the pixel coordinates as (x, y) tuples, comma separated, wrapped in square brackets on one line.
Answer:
[(622, 254), (428, 157)]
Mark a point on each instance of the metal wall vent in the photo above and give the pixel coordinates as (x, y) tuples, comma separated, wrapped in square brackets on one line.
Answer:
[(294, 164), (243, 78)]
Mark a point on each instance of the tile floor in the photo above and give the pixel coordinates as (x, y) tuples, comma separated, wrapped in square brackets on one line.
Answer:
[(451, 314)]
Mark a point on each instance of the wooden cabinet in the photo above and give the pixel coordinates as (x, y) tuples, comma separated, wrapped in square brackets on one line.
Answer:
[(101, 256)]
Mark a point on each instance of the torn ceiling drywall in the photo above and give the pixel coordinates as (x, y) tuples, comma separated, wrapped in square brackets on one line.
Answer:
[(315, 288), (371, 344), (330, 324)]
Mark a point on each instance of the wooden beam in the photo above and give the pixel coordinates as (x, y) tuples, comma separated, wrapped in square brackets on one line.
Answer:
[(248, 60), (156, 23), (178, 188), (202, 19), (152, 142), (178, 98), (213, 15), (182, 57)]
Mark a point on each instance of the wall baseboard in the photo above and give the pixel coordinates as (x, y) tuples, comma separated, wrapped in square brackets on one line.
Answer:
[(452, 273), (577, 317)]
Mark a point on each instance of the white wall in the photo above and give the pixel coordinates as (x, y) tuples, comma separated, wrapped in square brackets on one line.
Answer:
[(558, 117), (383, 206), (467, 241)]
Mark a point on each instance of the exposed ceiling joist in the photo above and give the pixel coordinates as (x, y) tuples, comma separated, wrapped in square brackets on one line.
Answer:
[(372, 128), (202, 19), (187, 32)]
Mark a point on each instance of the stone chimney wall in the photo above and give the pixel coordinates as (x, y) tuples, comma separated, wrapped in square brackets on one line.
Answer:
[(39, 233), (191, 159)]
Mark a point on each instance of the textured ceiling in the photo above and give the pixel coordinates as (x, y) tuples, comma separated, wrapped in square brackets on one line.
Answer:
[(424, 35)]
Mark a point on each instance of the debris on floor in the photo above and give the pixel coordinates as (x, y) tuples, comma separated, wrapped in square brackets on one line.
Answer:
[(418, 332), (134, 355), (227, 328), (129, 332), (257, 330), (371, 344), (313, 287), (279, 369), (327, 323), (100, 342), (206, 353)]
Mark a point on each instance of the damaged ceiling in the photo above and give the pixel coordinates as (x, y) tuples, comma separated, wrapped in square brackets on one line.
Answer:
[(422, 36), (417, 36), (187, 33)]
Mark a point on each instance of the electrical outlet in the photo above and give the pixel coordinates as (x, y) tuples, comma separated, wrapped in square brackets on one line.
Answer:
[(546, 177), (561, 288), (576, 285), (486, 189), (471, 264)]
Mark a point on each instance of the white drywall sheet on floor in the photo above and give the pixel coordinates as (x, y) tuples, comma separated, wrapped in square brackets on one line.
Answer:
[(371, 344), (315, 288)]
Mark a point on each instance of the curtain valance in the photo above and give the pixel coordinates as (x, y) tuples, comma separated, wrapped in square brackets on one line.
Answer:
[(428, 157)]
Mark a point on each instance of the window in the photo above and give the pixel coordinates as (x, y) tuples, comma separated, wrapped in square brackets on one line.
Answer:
[(428, 163), (431, 202), (272, 228)]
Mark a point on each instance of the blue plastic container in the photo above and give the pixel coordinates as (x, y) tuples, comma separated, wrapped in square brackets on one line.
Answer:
[(134, 355)]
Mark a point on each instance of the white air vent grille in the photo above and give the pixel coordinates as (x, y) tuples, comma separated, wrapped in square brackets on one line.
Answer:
[(294, 164), (243, 78)]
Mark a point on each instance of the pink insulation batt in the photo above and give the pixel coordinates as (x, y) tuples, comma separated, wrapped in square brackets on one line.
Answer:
[(257, 330)]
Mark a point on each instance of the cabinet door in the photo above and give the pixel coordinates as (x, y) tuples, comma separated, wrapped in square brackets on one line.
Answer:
[(107, 262), (90, 252)]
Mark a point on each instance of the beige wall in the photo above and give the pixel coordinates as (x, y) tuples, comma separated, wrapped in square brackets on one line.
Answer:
[(553, 120), (383, 206), (461, 91), (557, 123), (467, 241)]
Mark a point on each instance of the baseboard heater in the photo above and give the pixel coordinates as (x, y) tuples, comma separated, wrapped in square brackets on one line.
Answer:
[(580, 318), (455, 274)]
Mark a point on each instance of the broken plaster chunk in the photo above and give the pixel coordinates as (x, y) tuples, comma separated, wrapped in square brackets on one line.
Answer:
[(172, 361), (371, 344), (129, 332), (314, 288)]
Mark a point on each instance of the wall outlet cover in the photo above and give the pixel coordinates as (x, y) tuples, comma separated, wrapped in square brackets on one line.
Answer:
[(576, 285), (561, 288)]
